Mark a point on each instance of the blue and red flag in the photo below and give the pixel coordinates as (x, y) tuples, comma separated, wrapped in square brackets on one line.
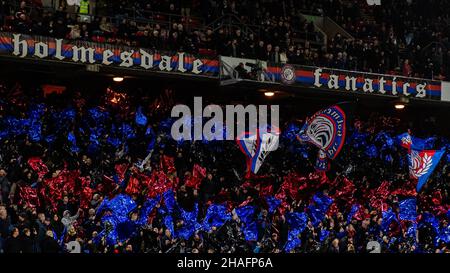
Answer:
[(422, 164), (322, 162), (256, 147), (326, 129)]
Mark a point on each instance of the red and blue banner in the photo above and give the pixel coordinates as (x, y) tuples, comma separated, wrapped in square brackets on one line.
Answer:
[(354, 82), (38, 47)]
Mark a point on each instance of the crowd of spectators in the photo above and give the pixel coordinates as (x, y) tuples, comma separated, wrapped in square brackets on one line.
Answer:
[(410, 42), (408, 38), (37, 215)]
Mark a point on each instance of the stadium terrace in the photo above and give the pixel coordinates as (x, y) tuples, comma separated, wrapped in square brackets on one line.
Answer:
[(90, 55)]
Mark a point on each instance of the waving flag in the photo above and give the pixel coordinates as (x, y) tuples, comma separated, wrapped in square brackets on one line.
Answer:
[(273, 203), (411, 232), (388, 216), (297, 223), (257, 146), (190, 224), (320, 207), (408, 210), (120, 205), (146, 209), (326, 129), (38, 166), (408, 141), (444, 235), (246, 215), (422, 164), (353, 211), (216, 216), (71, 138), (140, 119), (429, 219), (117, 226)]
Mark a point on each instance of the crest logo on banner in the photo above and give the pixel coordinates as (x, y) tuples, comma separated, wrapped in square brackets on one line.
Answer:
[(288, 74), (326, 129), (420, 164), (257, 146), (406, 141)]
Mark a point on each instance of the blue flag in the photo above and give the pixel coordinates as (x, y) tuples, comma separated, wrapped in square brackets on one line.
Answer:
[(190, 224), (371, 151), (216, 216), (146, 209), (35, 132), (297, 223), (117, 225), (388, 217), (444, 235), (247, 216), (71, 138), (410, 142), (169, 201), (141, 119), (168, 222), (430, 219), (411, 232), (352, 212), (121, 205), (320, 207), (408, 210), (273, 203), (324, 235)]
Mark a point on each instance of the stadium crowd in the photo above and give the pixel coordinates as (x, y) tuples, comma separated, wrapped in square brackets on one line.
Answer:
[(408, 38), (64, 156)]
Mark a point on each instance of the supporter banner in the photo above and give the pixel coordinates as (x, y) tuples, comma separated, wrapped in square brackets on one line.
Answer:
[(349, 81), (24, 46), (357, 82)]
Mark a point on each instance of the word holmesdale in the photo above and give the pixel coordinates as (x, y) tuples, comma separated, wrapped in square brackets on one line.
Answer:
[(90, 55)]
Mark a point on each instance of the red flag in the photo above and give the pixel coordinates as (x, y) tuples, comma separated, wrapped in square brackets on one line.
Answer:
[(121, 169), (133, 186), (28, 196), (85, 197), (38, 166), (167, 164), (198, 173)]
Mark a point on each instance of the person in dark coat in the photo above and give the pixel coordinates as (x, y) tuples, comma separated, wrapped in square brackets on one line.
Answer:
[(50, 245), (5, 187), (28, 242), (13, 244)]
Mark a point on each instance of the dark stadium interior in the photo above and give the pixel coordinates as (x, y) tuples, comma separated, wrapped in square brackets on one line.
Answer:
[(90, 163)]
